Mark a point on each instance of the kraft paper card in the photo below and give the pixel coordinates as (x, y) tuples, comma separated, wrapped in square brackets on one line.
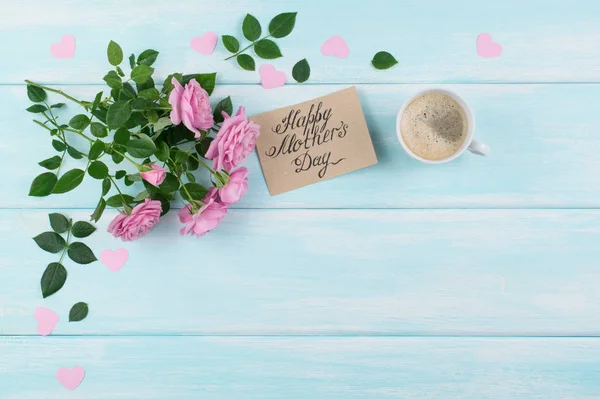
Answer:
[(313, 141)]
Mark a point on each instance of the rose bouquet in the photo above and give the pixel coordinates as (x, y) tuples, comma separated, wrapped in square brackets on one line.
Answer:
[(165, 133)]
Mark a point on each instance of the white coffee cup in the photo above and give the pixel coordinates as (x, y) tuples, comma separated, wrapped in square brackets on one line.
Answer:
[(470, 144)]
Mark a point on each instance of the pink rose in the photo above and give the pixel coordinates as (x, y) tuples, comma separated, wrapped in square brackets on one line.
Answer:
[(155, 176), (236, 187), (131, 227), (206, 219), (235, 140), (191, 105)]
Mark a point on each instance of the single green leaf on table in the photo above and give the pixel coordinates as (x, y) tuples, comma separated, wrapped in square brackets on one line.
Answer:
[(132, 61), (96, 101), (195, 190), (246, 62), (53, 279), (97, 214), (51, 163), (223, 105), (267, 49), (122, 135), (114, 53), (141, 73), (42, 185), (147, 57), (58, 145), (82, 229), (141, 147), (282, 25), (74, 153), (37, 109), (162, 151), (117, 201), (58, 222), (49, 241), (79, 122), (98, 170), (96, 150), (58, 105), (301, 71), (68, 181), (98, 129), (251, 28), (231, 43), (383, 60), (36, 94), (81, 253), (106, 184), (118, 113), (78, 312)]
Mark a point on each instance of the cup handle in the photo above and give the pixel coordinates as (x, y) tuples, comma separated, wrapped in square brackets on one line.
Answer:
[(479, 148)]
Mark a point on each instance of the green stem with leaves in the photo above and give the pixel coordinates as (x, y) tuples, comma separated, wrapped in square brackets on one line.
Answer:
[(64, 251), (62, 93), (247, 47)]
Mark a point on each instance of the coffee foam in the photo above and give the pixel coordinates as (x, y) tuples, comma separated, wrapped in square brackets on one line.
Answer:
[(434, 126)]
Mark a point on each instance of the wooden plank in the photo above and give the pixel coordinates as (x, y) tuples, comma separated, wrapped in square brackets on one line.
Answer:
[(434, 41), (301, 368), (426, 272), (544, 140)]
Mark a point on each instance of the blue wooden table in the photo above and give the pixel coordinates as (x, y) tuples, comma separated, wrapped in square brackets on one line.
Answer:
[(475, 279)]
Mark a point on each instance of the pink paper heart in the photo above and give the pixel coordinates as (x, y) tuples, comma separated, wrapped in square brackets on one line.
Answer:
[(335, 45), (270, 78), (70, 379), (114, 260), (65, 48), (486, 47), (205, 44), (46, 319)]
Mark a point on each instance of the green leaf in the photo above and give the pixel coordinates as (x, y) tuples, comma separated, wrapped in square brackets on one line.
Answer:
[(37, 109), (97, 100), (78, 312), (202, 147), (190, 176), (207, 81), (53, 279), (51, 163), (196, 191), (120, 72), (141, 147), (42, 185), (97, 214), (59, 145), (132, 61), (50, 242), (141, 196), (98, 129), (134, 177), (58, 105), (122, 136), (246, 62), (118, 113), (98, 170), (282, 25), (139, 103), (120, 174), (128, 91), (79, 122), (136, 119), (82, 229), (114, 53), (170, 184), (151, 94), (251, 28), (105, 186), (383, 60), (162, 123), (58, 222), (147, 57), (117, 158), (301, 71), (267, 49), (68, 181), (193, 163), (116, 201), (223, 105), (96, 150), (81, 253), (100, 113), (162, 151), (36, 94), (231, 43), (74, 153), (141, 73)]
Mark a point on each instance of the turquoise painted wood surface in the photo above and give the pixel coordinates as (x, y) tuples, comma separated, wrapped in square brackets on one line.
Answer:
[(476, 279)]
